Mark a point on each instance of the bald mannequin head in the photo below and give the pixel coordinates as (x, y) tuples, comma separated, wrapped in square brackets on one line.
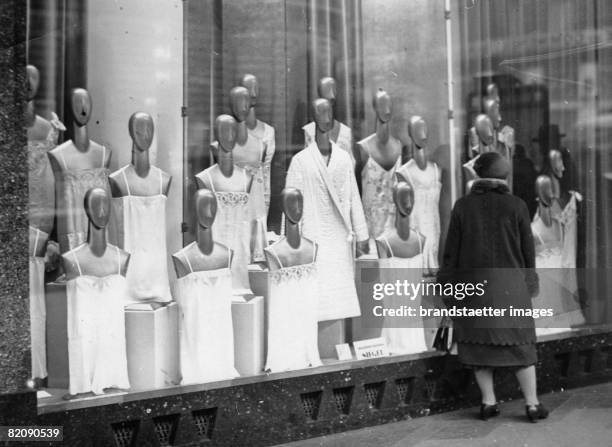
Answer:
[(97, 207), (141, 128)]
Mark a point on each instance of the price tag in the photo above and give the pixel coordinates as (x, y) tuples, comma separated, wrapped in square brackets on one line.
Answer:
[(344, 352), (371, 348)]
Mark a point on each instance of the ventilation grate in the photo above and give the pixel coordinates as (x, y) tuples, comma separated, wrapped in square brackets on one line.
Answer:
[(125, 433), (431, 386), (405, 389), (342, 399), (586, 360), (563, 361), (165, 429), (311, 403), (205, 421), (374, 394)]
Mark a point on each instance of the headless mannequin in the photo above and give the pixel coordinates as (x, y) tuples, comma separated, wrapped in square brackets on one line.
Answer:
[(93, 257), (80, 153), (293, 249), (388, 148), (324, 121), (240, 104), (205, 254), (141, 129), (224, 177), (548, 187), (404, 241)]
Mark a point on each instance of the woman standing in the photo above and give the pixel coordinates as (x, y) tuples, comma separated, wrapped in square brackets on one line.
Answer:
[(490, 242)]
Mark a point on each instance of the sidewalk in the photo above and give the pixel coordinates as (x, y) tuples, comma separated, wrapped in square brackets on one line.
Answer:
[(579, 417)]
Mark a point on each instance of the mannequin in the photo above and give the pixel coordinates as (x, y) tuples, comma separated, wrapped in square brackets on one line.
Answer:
[(555, 235), (293, 294), (139, 193), (401, 252), (250, 154), (340, 134), (484, 131), (261, 131), (381, 154), (424, 176), (231, 185), (96, 290), (333, 215), (204, 254), (292, 249), (504, 138), (42, 137), (78, 165), (203, 292)]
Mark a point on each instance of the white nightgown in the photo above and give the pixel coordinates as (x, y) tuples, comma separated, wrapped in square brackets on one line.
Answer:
[(38, 309), (232, 227), (292, 318), (138, 225), (265, 133), (96, 331), (206, 333), (410, 337), (425, 216)]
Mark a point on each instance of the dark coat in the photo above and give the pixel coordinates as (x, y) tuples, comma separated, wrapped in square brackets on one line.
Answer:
[(489, 240)]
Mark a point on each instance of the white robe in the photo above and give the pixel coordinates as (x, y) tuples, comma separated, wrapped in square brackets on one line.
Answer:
[(333, 217)]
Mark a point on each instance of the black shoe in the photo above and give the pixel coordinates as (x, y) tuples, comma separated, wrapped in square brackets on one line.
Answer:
[(488, 411), (536, 412)]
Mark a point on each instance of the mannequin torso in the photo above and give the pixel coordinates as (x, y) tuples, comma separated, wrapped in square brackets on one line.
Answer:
[(192, 259)]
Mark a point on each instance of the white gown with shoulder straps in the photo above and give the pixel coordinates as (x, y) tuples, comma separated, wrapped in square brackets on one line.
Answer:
[(138, 225), (38, 309), (206, 333), (96, 331), (293, 317), (410, 337)]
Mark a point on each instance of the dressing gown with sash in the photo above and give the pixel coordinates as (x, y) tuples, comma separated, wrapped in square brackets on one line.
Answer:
[(333, 217)]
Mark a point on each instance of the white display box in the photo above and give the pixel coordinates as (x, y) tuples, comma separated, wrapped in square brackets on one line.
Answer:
[(57, 335), (152, 346), (248, 321)]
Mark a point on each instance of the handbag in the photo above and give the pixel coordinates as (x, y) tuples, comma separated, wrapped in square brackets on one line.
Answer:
[(443, 341)]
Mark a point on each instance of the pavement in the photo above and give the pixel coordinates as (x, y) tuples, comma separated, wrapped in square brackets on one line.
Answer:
[(578, 417)]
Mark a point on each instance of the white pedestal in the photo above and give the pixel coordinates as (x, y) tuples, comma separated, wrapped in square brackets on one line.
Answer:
[(57, 335), (152, 347), (248, 320)]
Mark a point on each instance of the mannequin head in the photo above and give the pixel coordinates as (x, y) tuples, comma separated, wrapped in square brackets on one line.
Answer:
[(323, 114), (484, 129), (492, 110), (555, 160), (293, 204), (327, 89), (544, 187), (206, 207), (417, 129), (97, 207), (403, 197), (33, 78), (249, 81), (141, 128), (240, 103), (493, 92), (382, 105), (81, 106), (225, 132)]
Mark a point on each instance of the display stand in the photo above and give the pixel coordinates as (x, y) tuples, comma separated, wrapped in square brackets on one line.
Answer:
[(57, 335), (248, 321), (152, 346)]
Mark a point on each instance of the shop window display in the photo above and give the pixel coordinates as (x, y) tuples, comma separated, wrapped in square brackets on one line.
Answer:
[(246, 179)]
